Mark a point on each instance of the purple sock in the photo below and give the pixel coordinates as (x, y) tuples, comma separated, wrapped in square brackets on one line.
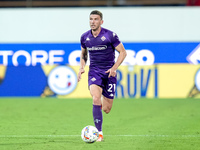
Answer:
[(98, 117)]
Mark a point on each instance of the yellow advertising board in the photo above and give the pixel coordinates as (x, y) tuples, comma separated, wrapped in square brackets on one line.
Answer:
[(177, 80), (81, 90), (156, 81)]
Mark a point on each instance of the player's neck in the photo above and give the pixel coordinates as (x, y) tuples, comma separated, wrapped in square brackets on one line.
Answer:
[(95, 33)]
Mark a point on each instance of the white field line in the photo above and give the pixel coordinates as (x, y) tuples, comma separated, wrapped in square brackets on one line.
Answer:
[(62, 136)]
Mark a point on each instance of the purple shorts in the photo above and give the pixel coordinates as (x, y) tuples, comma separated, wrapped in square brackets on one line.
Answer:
[(101, 79)]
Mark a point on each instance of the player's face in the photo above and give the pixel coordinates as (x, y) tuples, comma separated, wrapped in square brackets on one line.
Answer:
[(95, 22)]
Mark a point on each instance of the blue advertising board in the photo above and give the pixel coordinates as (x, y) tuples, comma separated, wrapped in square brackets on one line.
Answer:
[(69, 53)]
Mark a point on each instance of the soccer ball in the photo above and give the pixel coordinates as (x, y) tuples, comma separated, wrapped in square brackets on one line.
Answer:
[(89, 134)]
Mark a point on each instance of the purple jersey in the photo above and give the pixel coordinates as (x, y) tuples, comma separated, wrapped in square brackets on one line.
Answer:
[(101, 49)]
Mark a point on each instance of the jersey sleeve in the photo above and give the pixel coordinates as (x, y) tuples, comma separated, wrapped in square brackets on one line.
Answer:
[(82, 42), (115, 39)]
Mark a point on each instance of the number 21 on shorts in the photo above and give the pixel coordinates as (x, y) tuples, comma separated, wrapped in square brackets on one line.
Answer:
[(111, 87)]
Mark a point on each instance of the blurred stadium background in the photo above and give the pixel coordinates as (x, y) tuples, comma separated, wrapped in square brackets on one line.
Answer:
[(161, 38), (86, 3), (158, 82)]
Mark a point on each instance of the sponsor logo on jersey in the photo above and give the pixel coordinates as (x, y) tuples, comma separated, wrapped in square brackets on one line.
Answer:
[(99, 47), (87, 39)]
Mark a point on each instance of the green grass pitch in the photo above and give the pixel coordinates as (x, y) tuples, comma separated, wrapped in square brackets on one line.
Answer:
[(135, 124)]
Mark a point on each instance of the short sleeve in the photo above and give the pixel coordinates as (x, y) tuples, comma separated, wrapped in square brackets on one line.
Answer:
[(82, 42), (115, 39)]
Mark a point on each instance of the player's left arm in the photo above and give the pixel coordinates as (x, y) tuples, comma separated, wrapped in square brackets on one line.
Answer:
[(122, 54)]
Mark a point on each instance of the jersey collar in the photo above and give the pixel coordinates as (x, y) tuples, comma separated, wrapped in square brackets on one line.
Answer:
[(101, 32)]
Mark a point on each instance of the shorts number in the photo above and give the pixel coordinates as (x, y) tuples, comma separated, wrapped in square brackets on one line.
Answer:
[(110, 87)]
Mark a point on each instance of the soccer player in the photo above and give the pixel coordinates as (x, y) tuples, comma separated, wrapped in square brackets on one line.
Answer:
[(101, 44)]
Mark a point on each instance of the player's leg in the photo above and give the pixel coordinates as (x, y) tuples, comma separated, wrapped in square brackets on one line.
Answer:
[(107, 98), (106, 104), (108, 94), (96, 92)]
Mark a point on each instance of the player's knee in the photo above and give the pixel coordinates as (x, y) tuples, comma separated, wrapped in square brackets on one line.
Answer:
[(96, 100), (106, 109)]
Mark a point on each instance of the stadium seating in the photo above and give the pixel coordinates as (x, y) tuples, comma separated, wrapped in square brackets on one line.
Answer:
[(82, 3)]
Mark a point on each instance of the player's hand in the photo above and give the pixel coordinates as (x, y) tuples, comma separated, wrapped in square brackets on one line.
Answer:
[(81, 71), (111, 72)]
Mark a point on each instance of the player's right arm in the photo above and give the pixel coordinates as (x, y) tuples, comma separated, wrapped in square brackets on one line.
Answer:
[(83, 60)]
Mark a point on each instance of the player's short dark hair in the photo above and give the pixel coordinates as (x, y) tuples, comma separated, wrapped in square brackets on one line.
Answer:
[(96, 12)]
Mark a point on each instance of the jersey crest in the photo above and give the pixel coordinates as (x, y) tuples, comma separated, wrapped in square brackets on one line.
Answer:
[(103, 38)]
